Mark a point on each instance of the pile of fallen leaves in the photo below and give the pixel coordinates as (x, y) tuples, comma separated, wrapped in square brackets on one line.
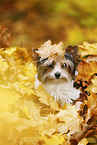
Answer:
[(30, 116)]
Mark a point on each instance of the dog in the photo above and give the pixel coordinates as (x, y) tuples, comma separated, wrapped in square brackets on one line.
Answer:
[(56, 73)]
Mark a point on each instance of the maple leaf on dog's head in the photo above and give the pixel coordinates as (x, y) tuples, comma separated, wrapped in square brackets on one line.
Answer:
[(47, 50)]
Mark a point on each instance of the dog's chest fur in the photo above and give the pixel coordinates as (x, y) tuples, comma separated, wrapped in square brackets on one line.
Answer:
[(62, 92)]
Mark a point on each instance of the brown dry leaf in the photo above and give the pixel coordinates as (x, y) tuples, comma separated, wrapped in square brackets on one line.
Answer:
[(77, 136), (86, 70), (5, 39), (92, 107), (92, 101)]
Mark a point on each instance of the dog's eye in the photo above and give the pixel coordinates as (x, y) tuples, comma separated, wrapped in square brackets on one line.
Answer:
[(51, 65), (64, 65)]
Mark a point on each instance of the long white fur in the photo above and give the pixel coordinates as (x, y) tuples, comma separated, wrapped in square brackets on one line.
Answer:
[(63, 92)]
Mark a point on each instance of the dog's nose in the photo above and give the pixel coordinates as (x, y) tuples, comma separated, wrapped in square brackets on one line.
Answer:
[(57, 75)]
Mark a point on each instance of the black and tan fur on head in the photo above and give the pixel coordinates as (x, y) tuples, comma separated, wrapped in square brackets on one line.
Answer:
[(73, 52), (73, 55), (57, 67), (35, 55)]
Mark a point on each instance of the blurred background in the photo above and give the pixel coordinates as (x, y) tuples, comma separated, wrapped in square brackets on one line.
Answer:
[(32, 22)]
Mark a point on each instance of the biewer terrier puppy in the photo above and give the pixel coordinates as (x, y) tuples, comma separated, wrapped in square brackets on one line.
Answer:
[(56, 68)]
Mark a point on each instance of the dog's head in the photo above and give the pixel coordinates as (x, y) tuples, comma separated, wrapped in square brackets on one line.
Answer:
[(56, 68)]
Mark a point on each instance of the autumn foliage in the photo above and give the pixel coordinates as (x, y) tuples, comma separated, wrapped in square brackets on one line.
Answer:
[(30, 116), (33, 22)]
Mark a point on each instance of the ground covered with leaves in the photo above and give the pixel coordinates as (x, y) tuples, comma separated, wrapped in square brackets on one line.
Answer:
[(30, 116)]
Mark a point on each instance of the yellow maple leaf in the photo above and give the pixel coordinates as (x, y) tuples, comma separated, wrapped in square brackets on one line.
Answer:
[(24, 124), (26, 108), (30, 70), (45, 98), (88, 49), (30, 113), (16, 53), (3, 65), (9, 117), (93, 86), (23, 89), (83, 142), (55, 139), (7, 136), (10, 51), (33, 139), (94, 81), (20, 77), (49, 125), (7, 97), (71, 119)]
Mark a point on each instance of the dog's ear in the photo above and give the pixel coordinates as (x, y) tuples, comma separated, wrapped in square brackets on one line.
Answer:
[(68, 56), (72, 49), (35, 55), (72, 54)]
